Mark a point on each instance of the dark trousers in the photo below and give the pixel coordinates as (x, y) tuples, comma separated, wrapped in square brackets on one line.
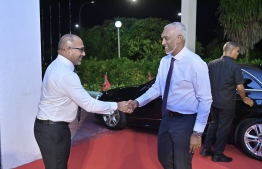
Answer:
[(218, 129), (54, 142), (174, 140)]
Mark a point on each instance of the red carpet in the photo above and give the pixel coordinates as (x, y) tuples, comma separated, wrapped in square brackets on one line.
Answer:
[(134, 148)]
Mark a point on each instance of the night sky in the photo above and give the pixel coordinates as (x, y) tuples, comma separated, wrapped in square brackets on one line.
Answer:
[(101, 10)]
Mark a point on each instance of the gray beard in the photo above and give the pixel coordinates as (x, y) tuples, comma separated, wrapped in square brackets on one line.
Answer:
[(172, 50)]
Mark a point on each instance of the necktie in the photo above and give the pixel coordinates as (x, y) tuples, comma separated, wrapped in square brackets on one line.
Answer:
[(79, 110), (168, 78)]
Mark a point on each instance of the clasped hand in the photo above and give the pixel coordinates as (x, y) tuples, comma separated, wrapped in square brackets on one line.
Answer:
[(127, 106)]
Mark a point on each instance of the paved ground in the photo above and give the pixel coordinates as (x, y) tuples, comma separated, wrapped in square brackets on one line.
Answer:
[(88, 128)]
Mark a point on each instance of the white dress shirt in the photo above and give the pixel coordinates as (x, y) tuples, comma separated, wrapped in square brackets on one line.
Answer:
[(62, 92), (189, 91)]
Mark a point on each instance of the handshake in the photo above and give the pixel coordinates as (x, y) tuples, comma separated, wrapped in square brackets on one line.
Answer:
[(127, 106)]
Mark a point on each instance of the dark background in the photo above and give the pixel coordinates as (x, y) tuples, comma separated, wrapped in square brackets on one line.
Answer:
[(62, 20)]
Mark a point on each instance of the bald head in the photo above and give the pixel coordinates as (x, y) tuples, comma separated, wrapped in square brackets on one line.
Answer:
[(229, 46), (71, 47), (231, 49), (67, 40)]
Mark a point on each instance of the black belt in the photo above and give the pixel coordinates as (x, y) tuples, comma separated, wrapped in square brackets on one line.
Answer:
[(47, 122), (176, 114)]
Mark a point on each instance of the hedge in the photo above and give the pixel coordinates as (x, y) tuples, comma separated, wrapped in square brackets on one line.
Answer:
[(122, 71)]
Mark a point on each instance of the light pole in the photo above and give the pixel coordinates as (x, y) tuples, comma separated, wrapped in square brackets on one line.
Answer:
[(79, 15), (118, 24)]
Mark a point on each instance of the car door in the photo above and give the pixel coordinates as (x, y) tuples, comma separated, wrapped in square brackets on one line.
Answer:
[(253, 88), (151, 111)]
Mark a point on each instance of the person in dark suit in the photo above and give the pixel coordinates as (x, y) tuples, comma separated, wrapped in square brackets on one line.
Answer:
[(183, 83), (225, 77)]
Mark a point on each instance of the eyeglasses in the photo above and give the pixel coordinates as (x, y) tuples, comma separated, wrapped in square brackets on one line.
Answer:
[(80, 49)]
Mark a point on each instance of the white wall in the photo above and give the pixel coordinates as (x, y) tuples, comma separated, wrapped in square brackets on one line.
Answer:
[(20, 80), (188, 18)]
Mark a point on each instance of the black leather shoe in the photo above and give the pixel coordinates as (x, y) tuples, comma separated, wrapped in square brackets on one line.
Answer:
[(221, 158), (206, 152)]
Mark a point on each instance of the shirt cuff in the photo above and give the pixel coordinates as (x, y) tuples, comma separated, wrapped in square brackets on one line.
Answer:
[(114, 106), (199, 128)]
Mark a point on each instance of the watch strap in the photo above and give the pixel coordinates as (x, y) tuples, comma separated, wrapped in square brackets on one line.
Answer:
[(198, 134)]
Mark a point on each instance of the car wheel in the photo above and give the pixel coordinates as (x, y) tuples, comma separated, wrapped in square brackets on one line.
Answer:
[(250, 138), (115, 121)]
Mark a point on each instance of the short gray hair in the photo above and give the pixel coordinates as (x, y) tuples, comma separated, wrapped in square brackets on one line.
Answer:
[(179, 28)]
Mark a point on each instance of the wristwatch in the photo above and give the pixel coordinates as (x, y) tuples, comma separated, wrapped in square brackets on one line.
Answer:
[(198, 134)]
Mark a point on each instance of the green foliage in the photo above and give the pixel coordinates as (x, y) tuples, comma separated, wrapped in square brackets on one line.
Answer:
[(99, 41), (142, 39), (253, 61), (256, 52), (256, 61), (215, 49), (242, 22), (141, 51), (121, 72), (139, 39), (199, 49)]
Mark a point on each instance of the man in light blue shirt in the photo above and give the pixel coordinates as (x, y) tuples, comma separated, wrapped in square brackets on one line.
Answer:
[(188, 100)]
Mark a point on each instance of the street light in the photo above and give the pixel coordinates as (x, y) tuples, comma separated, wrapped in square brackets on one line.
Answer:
[(118, 24), (79, 15)]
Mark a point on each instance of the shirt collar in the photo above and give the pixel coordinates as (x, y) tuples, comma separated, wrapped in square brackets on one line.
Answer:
[(227, 57), (67, 62), (180, 54)]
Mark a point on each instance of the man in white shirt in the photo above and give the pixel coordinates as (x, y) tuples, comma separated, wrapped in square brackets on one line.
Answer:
[(186, 101), (61, 94)]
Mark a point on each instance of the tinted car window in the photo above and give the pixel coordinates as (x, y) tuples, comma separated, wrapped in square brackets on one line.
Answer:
[(250, 82)]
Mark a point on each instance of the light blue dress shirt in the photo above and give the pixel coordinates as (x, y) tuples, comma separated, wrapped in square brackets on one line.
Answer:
[(189, 91)]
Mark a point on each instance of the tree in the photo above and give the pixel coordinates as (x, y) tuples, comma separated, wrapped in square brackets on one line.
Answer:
[(139, 38), (242, 22)]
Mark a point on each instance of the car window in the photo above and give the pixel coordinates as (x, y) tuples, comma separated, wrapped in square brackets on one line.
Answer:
[(250, 82)]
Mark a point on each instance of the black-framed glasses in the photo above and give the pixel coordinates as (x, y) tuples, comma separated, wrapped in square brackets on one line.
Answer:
[(80, 49)]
